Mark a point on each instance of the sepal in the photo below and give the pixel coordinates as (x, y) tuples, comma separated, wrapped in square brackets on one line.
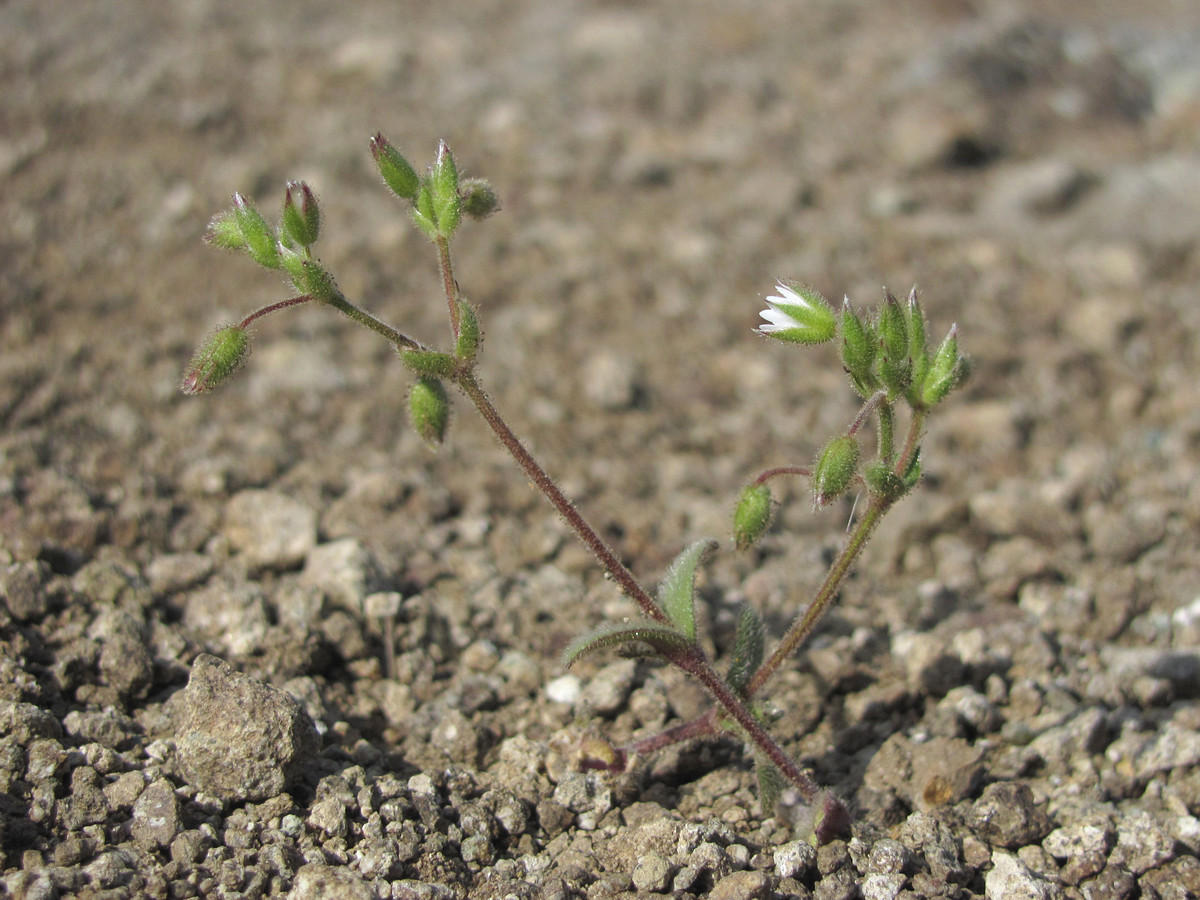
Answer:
[(260, 240), (301, 221)]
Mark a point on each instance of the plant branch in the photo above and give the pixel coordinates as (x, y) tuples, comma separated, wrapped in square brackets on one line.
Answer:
[(604, 554)]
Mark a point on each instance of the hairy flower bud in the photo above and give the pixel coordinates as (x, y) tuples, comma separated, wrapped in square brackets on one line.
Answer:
[(301, 221), (447, 204), (215, 360), (429, 410), (836, 466), (478, 199), (398, 174), (261, 243), (752, 516)]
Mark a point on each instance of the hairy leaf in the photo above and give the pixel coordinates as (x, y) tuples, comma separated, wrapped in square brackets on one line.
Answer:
[(677, 591), (659, 637), (747, 649), (770, 784)]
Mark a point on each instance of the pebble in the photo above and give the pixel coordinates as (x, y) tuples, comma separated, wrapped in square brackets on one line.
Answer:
[(1006, 815), (239, 739), (1011, 879), (272, 530)]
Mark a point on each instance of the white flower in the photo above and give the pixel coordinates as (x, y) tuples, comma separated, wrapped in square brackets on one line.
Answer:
[(799, 315)]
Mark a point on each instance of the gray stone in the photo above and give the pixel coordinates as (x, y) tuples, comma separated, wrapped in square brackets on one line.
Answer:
[(156, 815), (240, 740), (272, 530), (742, 886), (653, 873), (1007, 815), (1011, 879), (318, 881)]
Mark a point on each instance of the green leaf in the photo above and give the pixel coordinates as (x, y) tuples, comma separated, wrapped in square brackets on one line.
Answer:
[(660, 637), (748, 647), (677, 590), (771, 784)]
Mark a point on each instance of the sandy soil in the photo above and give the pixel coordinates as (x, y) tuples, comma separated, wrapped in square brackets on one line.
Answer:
[(1006, 695)]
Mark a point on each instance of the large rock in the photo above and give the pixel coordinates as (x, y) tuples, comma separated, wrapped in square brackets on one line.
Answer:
[(239, 739)]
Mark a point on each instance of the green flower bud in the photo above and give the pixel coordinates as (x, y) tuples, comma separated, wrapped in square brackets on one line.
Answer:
[(835, 468), (478, 199), (215, 360), (469, 335), (429, 410), (859, 346), (224, 232), (883, 482), (752, 516), (895, 367), (431, 363), (799, 315), (947, 370), (398, 174), (447, 204), (260, 240), (302, 221)]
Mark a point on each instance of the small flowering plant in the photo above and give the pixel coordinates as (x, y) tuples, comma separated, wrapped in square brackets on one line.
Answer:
[(886, 356)]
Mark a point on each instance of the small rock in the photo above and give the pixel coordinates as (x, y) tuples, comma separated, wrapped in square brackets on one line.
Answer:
[(611, 382), (344, 571), (1142, 844), (156, 815), (1011, 879), (240, 740), (742, 886), (607, 692), (272, 530), (882, 887), (653, 873), (1007, 815), (318, 881)]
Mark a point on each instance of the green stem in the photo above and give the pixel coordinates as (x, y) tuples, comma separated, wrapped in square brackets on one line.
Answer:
[(807, 620), (362, 317), (449, 284), (804, 624)]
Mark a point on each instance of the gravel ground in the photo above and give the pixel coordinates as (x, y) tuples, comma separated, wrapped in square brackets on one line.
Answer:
[(264, 644)]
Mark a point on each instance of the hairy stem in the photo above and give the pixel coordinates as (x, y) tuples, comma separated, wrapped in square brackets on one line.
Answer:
[(804, 624), (604, 554), (362, 317), (694, 663), (449, 284), (807, 620)]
